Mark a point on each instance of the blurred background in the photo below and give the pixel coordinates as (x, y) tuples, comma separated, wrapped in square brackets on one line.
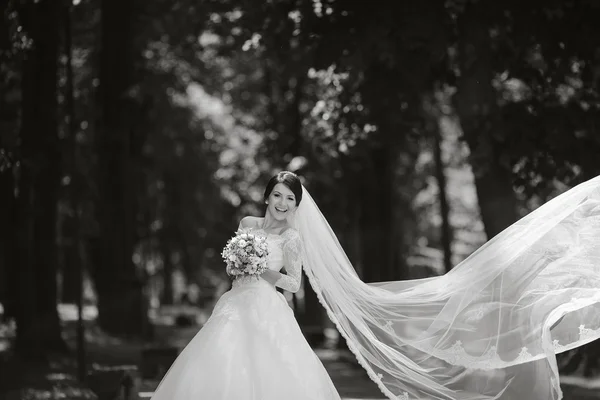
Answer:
[(135, 134)]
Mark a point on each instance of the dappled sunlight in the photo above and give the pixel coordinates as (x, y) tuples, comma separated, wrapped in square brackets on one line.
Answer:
[(58, 377), (57, 393), (69, 312), (134, 137)]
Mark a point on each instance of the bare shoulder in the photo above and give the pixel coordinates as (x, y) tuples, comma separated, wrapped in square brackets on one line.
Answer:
[(250, 222)]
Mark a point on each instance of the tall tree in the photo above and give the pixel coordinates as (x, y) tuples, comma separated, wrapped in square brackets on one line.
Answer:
[(9, 125), (8, 271), (476, 105), (400, 55), (39, 173), (121, 302), (432, 117)]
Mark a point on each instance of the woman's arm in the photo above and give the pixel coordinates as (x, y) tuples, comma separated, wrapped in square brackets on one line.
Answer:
[(292, 258)]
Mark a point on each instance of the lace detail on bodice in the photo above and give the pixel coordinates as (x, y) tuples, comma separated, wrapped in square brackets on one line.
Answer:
[(285, 251)]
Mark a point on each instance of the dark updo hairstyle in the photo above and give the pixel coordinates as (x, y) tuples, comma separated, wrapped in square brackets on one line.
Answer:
[(290, 180)]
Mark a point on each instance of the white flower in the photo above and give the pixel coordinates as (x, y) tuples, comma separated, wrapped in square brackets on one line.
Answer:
[(245, 254)]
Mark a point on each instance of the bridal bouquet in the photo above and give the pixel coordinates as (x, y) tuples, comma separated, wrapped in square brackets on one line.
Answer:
[(245, 254)]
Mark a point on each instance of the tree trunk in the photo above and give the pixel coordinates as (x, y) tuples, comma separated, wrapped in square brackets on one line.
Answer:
[(8, 266), (352, 209), (440, 175), (70, 261), (170, 233), (476, 105), (46, 248), (121, 301), (446, 234), (38, 325), (73, 287), (167, 294), (9, 130), (377, 217)]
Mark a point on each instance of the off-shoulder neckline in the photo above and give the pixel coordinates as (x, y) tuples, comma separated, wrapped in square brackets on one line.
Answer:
[(278, 235)]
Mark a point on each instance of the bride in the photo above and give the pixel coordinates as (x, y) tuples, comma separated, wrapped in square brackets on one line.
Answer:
[(251, 347), (488, 329)]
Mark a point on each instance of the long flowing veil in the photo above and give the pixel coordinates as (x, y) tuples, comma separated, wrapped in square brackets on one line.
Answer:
[(488, 329)]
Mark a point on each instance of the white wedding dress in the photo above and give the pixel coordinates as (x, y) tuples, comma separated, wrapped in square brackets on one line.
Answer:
[(252, 348), (489, 329)]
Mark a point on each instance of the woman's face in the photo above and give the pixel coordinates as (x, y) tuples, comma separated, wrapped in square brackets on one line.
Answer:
[(281, 202)]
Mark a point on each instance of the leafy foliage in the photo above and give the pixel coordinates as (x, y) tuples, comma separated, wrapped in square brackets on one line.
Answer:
[(229, 91)]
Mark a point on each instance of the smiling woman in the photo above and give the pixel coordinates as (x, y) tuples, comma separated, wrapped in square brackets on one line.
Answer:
[(287, 181), (282, 196), (252, 347), (280, 202)]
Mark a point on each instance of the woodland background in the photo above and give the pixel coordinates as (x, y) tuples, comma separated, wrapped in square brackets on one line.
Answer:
[(135, 134)]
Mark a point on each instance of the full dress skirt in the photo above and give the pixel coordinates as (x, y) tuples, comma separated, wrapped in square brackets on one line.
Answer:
[(251, 348)]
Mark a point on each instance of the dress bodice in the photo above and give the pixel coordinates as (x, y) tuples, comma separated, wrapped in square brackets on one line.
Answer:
[(284, 251), (275, 244)]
